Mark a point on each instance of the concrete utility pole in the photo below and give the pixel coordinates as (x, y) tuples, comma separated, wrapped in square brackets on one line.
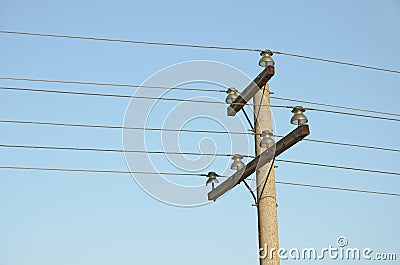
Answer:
[(265, 153), (267, 206)]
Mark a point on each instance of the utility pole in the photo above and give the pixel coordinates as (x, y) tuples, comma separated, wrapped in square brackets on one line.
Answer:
[(267, 205), (266, 150)]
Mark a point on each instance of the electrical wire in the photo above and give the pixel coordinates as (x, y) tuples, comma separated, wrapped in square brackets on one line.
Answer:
[(184, 100), (354, 114), (352, 145), (124, 96), (342, 113), (248, 120), (185, 130), (190, 153), (111, 150), (108, 95), (259, 105), (120, 127), (251, 192), (196, 46), (338, 62), (346, 144), (338, 167), (102, 171), (265, 182), (129, 41), (179, 88), (238, 49), (336, 188), (185, 174), (335, 106), (107, 84)]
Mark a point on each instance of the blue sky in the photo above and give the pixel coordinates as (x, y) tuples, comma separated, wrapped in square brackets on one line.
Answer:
[(81, 218)]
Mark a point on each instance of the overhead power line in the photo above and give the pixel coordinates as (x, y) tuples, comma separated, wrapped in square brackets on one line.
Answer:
[(353, 114), (101, 171), (190, 153), (112, 150), (183, 130), (195, 46), (338, 167), (336, 188), (187, 174), (129, 41), (335, 106), (120, 96), (339, 62), (107, 84), (120, 127), (182, 100), (345, 144), (352, 145), (186, 88)]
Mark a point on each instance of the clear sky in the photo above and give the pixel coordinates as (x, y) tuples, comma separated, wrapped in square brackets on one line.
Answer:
[(93, 218)]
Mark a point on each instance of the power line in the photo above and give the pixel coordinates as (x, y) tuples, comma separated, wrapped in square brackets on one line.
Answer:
[(185, 130), (122, 96), (352, 145), (185, 174), (338, 62), (336, 188), (129, 41), (335, 106), (182, 100), (107, 84), (120, 127), (101, 171), (107, 95), (196, 46), (338, 167), (178, 88), (112, 150), (191, 153), (353, 114), (345, 144)]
